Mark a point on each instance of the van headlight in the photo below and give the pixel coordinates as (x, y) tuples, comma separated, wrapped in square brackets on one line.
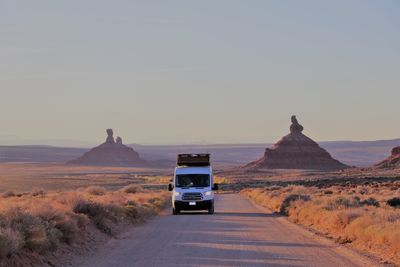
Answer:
[(208, 193), (177, 194)]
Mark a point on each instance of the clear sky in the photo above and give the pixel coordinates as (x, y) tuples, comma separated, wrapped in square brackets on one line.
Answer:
[(198, 71)]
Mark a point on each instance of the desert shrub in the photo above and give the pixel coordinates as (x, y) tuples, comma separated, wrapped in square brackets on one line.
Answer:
[(328, 192), (10, 242), (96, 190), (147, 209), (32, 229), (289, 199), (275, 193), (273, 188), (157, 202), (68, 228), (38, 192), (47, 213), (132, 189), (54, 237), (131, 211), (102, 215), (8, 194), (340, 202), (89, 208), (345, 217), (370, 202), (363, 191), (394, 202), (81, 219), (60, 226), (392, 217), (36, 237), (131, 203)]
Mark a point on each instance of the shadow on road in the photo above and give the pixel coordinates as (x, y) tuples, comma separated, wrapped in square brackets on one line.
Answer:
[(248, 214), (234, 214)]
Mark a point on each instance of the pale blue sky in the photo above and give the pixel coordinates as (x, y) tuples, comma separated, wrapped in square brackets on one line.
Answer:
[(199, 71)]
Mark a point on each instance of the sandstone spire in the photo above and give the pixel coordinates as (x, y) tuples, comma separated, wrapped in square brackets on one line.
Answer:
[(296, 151), (110, 136), (118, 140), (295, 127)]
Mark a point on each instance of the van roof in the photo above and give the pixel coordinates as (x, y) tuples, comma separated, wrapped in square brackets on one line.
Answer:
[(193, 170), (193, 160)]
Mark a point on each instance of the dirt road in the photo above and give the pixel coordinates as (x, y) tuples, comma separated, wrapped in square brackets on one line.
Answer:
[(239, 234)]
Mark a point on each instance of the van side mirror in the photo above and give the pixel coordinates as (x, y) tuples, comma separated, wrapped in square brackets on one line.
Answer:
[(170, 187), (215, 187)]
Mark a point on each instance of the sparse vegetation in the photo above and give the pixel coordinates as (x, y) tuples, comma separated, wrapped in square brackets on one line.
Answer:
[(348, 206), (364, 216), (285, 205), (10, 242), (96, 190), (40, 221), (394, 202), (38, 192), (132, 189), (8, 194)]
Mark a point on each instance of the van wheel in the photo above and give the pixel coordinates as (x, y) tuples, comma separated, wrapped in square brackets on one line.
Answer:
[(211, 210), (175, 211)]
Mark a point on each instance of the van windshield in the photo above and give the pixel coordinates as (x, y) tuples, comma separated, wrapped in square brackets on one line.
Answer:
[(192, 180)]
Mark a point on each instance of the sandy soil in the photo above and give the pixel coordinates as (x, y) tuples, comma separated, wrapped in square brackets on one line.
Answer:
[(22, 177)]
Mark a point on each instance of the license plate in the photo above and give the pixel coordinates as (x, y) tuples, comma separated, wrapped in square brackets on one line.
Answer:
[(192, 203)]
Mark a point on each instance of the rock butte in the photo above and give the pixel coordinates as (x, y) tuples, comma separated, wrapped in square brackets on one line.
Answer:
[(296, 151), (110, 153), (393, 161)]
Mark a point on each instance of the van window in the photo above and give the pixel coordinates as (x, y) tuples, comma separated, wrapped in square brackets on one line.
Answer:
[(192, 180)]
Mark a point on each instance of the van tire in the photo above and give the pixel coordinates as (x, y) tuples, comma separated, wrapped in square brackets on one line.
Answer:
[(211, 209), (175, 211)]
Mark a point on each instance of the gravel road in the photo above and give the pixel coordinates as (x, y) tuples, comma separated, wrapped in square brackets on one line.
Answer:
[(238, 234)]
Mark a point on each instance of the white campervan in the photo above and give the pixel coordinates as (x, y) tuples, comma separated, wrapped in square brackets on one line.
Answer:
[(193, 187)]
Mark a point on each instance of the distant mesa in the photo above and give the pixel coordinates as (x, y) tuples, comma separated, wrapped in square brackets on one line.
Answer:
[(296, 151), (110, 153), (393, 161)]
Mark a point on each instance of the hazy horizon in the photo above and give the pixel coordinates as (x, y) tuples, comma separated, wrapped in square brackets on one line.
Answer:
[(17, 141), (181, 72)]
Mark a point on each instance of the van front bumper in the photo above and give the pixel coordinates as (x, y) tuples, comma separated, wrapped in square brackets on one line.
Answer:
[(200, 205)]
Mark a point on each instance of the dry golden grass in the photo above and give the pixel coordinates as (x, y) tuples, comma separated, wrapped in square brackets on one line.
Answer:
[(33, 223), (157, 179), (355, 214), (221, 180)]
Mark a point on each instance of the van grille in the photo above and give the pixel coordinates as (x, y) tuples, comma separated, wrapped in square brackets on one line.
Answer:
[(192, 196)]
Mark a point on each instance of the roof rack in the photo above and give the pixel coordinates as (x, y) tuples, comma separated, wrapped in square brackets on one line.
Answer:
[(193, 160)]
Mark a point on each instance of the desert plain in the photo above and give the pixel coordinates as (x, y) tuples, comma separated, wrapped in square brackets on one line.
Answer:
[(65, 211)]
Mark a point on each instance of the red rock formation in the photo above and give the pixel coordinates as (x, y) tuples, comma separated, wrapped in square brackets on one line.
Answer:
[(296, 151), (391, 162), (110, 137), (110, 153)]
